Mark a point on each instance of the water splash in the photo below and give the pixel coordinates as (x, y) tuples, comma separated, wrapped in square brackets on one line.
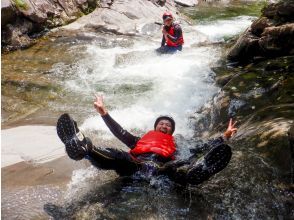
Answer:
[(221, 29)]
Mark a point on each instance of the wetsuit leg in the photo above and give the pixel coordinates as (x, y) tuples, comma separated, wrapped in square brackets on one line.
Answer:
[(162, 50), (78, 147), (192, 171), (179, 48), (168, 50), (113, 159)]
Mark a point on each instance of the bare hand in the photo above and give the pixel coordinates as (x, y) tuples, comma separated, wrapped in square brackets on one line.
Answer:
[(99, 105), (230, 130), (164, 31)]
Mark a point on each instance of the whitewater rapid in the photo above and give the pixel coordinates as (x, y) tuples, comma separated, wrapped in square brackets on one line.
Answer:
[(138, 85)]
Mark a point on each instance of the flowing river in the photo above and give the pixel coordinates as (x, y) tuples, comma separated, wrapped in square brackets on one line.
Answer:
[(63, 74)]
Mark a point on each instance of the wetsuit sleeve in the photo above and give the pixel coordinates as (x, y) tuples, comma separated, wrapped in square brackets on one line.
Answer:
[(202, 147), (163, 41), (123, 135), (177, 34)]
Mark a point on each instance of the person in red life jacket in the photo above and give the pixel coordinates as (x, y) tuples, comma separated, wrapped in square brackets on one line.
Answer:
[(156, 147), (172, 39)]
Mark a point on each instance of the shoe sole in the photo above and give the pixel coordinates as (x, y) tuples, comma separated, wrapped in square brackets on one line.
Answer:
[(214, 161), (218, 158), (66, 128)]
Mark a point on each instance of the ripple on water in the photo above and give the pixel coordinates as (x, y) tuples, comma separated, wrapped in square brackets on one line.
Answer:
[(27, 203)]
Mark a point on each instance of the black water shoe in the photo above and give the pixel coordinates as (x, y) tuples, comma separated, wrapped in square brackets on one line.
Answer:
[(213, 162), (77, 145)]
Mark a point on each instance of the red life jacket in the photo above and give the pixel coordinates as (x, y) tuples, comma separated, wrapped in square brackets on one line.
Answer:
[(171, 32), (155, 142)]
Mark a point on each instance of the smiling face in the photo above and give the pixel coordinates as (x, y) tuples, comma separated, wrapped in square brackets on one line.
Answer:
[(168, 22), (164, 126)]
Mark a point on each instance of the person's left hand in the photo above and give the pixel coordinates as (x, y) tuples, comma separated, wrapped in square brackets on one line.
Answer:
[(230, 130), (99, 105)]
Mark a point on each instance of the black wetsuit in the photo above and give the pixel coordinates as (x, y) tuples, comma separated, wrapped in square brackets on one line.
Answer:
[(126, 164)]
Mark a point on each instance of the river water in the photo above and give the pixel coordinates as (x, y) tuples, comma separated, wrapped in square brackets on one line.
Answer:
[(63, 74)]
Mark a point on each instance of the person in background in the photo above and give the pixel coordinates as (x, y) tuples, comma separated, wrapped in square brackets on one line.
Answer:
[(172, 39)]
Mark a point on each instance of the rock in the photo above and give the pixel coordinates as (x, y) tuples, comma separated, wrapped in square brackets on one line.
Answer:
[(259, 97), (258, 26), (245, 48), (187, 3), (269, 138), (283, 10), (278, 41), (120, 20), (7, 12), (291, 143), (106, 3), (269, 36), (269, 11), (42, 14), (69, 7), (16, 36)]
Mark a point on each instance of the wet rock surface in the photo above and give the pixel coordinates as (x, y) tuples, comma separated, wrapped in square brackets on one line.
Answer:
[(260, 97), (269, 36)]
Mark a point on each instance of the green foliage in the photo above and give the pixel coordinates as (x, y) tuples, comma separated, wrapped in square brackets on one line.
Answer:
[(21, 4)]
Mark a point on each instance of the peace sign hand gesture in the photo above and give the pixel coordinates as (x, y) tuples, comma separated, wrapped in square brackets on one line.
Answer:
[(230, 130), (99, 105)]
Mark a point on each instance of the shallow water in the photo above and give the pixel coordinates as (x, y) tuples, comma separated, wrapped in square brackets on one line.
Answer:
[(138, 85)]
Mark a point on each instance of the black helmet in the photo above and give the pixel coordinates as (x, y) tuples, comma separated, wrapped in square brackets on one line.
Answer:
[(166, 117), (167, 15)]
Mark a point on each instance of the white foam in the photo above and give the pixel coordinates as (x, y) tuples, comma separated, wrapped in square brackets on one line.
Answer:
[(177, 85), (139, 85), (216, 31)]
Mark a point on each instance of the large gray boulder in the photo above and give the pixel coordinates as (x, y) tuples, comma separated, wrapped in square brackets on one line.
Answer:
[(119, 19), (41, 14)]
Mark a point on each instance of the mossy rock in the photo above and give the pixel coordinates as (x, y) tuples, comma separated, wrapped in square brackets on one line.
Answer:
[(21, 4), (260, 97)]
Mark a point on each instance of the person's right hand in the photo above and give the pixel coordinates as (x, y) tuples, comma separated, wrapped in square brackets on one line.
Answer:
[(99, 105), (164, 32)]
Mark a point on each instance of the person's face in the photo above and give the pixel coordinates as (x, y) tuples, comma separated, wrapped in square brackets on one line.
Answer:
[(168, 22), (164, 126)]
